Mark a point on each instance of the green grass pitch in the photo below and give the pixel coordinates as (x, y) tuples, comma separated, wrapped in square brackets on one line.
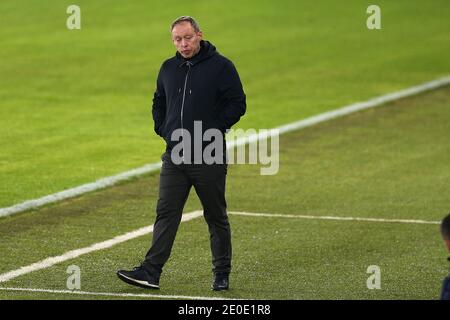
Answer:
[(75, 105), (392, 162)]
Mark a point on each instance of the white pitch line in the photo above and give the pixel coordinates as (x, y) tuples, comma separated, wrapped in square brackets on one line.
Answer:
[(112, 180), (77, 191), (48, 262), (337, 218), (107, 294)]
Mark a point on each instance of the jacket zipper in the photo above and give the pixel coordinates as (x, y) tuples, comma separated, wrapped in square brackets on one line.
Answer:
[(188, 63)]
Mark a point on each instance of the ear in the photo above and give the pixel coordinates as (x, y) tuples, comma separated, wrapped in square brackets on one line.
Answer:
[(200, 34), (447, 243)]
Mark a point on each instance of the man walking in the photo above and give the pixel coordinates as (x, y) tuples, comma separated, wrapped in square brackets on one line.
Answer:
[(198, 90)]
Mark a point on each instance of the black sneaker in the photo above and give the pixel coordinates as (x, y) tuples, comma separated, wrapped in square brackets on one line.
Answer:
[(139, 277), (221, 281)]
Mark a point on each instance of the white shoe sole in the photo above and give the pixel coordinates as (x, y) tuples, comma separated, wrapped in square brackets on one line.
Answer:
[(139, 283)]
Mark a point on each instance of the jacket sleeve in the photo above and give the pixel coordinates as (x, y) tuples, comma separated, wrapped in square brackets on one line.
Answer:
[(232, 97), (159, 105)]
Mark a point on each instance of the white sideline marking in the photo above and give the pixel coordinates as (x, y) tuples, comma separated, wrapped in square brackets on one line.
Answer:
[(331, 218), (46, 263), (109, 181), (73, 192), (107, 294)]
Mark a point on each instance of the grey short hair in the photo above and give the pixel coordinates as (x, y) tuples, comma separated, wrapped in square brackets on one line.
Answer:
[(189, 19)]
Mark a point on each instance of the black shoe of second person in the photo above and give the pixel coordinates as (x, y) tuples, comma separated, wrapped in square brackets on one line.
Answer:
[(221, 282), (139, 277)]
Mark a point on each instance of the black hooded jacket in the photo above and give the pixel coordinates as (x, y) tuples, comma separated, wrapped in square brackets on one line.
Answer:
[(204, 88)]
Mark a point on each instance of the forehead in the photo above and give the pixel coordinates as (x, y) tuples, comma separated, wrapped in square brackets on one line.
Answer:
[(183, 28)]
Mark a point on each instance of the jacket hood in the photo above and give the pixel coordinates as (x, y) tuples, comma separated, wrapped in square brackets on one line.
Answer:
[(207, 50)]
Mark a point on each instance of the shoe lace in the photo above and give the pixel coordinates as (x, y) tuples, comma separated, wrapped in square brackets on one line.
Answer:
[(140, 266)]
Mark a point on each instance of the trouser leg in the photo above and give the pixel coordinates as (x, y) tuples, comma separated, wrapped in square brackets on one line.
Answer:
[(173, 192), (209, 183)]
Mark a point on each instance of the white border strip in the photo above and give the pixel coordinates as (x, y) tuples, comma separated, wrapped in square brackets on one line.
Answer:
[(112, 180), (46, 263), (270, 215), (77, 191), (122, 295)]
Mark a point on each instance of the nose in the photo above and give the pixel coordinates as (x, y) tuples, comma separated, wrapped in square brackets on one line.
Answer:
[(183, 43)]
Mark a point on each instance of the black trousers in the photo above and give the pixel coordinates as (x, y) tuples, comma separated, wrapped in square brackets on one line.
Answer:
[(175, 183)]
